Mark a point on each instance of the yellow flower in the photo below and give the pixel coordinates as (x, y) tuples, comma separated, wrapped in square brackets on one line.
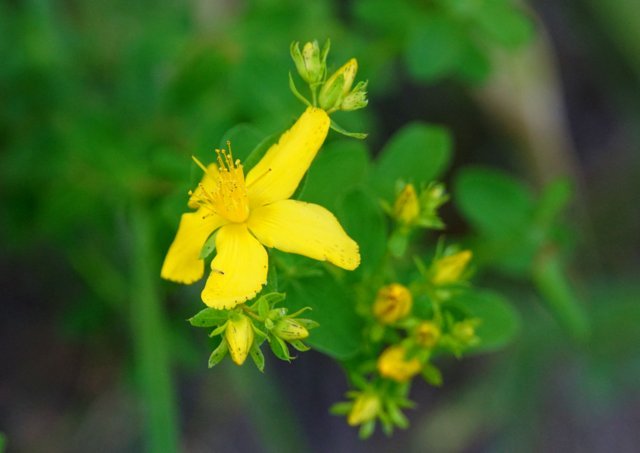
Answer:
[(239, 335), (450, 268), (393, 302), (392, 364), (249, 214), (365, 408)]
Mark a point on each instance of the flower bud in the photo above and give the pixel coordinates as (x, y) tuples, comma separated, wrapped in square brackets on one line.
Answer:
[(392, 303), (427, 334), (338, 86), (392, 364), (239, 335), (406, 208), (465, 332), (365, 408), (290, 329), (450, 268), (310, 63), (357, 99)]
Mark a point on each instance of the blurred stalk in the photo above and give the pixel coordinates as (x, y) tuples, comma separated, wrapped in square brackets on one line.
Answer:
[(270, 410), (551, 281), (524, 95), (148, 330)]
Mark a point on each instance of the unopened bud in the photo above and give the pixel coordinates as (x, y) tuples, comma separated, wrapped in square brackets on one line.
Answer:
[(392, 364), (310, 62), (465, 332), (290, 329), (239, 335), (450, 268), (357, 99), (406, 208), (393, 302), (427, 334), (338, 86), (365, 408)]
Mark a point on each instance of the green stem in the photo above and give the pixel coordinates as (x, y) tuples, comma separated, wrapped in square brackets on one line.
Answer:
[(550, 278), (150, 342)]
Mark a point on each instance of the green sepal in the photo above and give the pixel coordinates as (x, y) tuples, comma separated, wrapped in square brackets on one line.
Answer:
[(296, 93), (218, 353), (396, 416), (366, 430), (342, 408), (308, 323), (257, 356), (280, 349), (218, 330), (432, 375), (209, 317), (359, 135), (299, 345)]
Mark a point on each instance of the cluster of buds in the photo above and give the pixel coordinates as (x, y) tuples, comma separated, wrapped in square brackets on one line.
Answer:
[(243, 330), (412, 209), (372, 403), (332, 93)]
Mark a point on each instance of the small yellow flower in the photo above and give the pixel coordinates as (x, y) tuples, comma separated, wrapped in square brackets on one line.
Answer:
[(249, 214), (450, 268), (239, 335), (365, 408), (427, 334), (392, 364), (406, 208), (393, 302)]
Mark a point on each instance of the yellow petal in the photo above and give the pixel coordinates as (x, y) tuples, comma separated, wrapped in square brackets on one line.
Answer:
[(304, 228), (278, 174), (183, 263), (239, 269)]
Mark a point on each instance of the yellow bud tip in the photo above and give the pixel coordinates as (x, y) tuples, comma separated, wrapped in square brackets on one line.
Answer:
[(406, 208), (450, 268), (393, 364), (393, 302), (365, 408), (427, 334)]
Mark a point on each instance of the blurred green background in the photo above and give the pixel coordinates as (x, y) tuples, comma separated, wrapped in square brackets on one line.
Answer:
[(103, 103)]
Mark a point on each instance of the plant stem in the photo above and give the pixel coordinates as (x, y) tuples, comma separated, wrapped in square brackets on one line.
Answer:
[(150, 343)]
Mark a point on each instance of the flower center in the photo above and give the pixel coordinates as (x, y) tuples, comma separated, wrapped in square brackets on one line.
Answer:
[(227, 196)]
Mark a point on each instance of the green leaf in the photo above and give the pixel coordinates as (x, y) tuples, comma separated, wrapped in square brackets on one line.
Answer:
[(495, 203), (339, 332), (340, 166), (209, 317), (340, 130), (244, 138), (504, 24), (418, 153), (218, 353), (259, 151), (434, 48), (500, 322), (279, 348), (361, 216)]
